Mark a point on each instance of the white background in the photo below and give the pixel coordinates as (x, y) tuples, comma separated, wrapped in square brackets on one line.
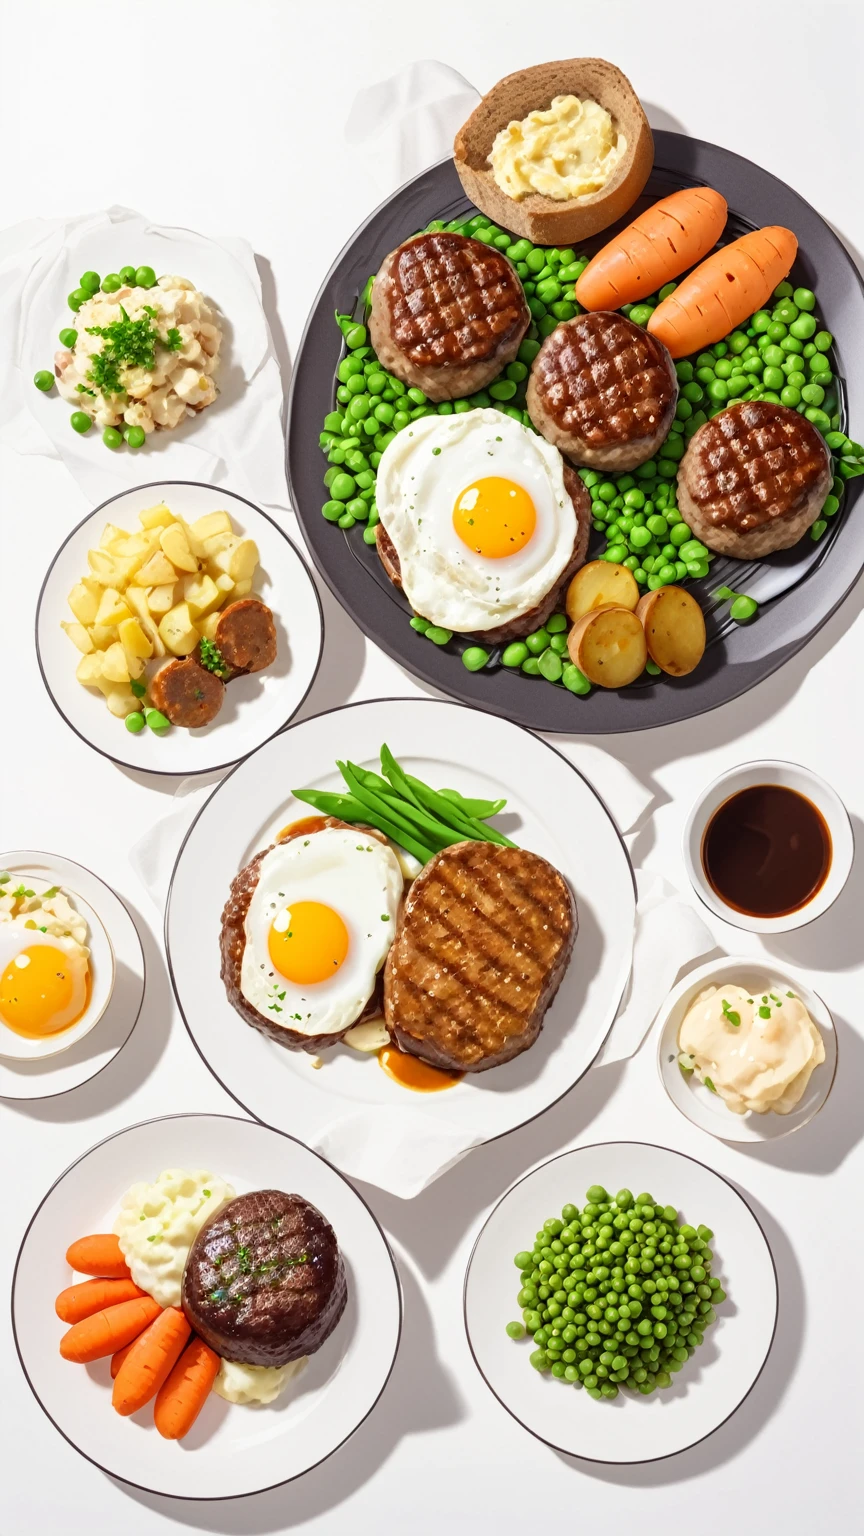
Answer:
[(227, 117)]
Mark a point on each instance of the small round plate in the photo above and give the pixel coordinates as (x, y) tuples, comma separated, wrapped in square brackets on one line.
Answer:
[(714, 1381), (707, 1109), (86, 1056), (255, 707), (231, 1450)]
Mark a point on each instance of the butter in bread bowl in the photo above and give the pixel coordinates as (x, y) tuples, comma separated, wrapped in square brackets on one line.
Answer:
[(545, 220)]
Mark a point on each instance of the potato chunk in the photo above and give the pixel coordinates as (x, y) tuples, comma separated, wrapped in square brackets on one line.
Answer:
[(157, 571), (207, 528), (608, 645), (600, 584), (156, 517), (160, 599), (84, 604), (201, 593), (133, 639), (177, 630), (78, 635), (89, 669), (674, 629), (115, 667), (112, 609), (176, 546)]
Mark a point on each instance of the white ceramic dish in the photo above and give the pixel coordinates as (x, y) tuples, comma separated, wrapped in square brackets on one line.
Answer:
[(707, 1109), (550, 809), (792, 776), (16, 1047), (231, 1450), (714, 1381), (255, 707), (117, 954)]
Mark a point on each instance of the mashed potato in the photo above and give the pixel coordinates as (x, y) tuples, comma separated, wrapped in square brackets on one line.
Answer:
[(254, 1383), (158, 1223)]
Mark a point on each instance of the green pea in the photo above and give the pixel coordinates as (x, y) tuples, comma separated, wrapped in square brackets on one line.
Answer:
[(531, 665), (346, 520), (505, 389), (343, 487), (111, 283), (89, 281), (68, 337), (558, 644), (742, 610), (156, 721), (773, 379), (615, 554), (528, 351), (723, 368), (112, 438), (818, 419), (135, 722), (127, 276), (575, 680), (831, 507), (792, 344), (475, 658), (804, 327), (738, 343), (515, 654), (813, 394), (77, 297), (355, 337), (818, 528), (332, 510), (657, 525), (551, 666), (145, 277), (437, 635), (640, 538), (358, 509), (761, 321), (538, 642), (640, 314), (44, 380), (790, 396), (515, 1330), (556, 624), (80, 422), (823, 341)]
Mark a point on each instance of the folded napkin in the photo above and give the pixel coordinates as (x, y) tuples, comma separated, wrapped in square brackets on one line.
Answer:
[(237, 441), (401, 125)]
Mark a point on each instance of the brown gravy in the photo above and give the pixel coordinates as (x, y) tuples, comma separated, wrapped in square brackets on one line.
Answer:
[(766, 851), (411, 1072)]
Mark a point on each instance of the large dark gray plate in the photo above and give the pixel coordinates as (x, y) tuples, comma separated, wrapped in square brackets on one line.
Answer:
[(737, 657)]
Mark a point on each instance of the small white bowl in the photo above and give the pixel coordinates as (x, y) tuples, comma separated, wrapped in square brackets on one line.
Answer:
[(814, 789), (15, 1047), (707, 1109)]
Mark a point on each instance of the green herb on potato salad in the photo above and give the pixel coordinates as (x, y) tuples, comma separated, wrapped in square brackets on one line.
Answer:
[(781, 355), (618, 1294)]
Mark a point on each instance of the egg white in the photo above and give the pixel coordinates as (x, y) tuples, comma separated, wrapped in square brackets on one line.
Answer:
[(360, 878), (421, 475)]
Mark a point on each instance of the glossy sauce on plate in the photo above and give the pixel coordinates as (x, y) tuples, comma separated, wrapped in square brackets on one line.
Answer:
[(766, 851), (411, 1072)]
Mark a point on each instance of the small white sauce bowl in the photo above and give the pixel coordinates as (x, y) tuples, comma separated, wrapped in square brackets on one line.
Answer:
[(814, 789), (16, 1047), (707, 1109)]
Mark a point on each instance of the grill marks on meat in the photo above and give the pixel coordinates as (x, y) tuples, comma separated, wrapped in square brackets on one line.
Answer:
[(603, 390), (264, 1281), (484, 940), (754, 479)]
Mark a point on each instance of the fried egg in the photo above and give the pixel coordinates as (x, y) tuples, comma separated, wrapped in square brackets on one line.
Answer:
[(44, 981), (477, 512), (318, 928)]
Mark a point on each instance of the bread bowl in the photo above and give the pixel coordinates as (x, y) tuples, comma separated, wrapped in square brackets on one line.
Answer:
[(545, 220)]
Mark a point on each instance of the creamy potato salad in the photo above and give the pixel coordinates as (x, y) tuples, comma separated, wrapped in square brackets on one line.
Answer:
[(158, 1223)]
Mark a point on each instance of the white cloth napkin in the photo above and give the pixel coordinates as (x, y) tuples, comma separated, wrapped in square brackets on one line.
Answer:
[(401, 125), (236, 442)]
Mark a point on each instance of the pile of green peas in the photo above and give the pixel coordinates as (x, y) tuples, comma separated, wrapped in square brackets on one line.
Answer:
[(618, 1294), (91, 283)]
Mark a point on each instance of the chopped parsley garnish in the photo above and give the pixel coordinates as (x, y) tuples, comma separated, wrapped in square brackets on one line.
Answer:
[(53, 890), (385, 917), (128, 344), (4, 877), (139, 689), (764, 1013), (708, 1084), (206, 1194), (211, 658), (790, 994), (730, 1015)]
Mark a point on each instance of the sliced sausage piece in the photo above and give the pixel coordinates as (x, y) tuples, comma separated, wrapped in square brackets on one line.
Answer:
[(246, 635), (186, 694)]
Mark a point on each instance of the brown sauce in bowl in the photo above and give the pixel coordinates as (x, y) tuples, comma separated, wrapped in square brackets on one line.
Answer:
[(766, 851)]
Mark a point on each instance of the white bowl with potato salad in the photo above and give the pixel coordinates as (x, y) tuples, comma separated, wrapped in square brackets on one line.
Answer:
[(145, 580)]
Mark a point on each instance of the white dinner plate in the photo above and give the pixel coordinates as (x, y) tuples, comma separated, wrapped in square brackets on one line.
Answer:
[(255, 707), (714, 1381), (231, 1450), (95, 1047), (550, 809)]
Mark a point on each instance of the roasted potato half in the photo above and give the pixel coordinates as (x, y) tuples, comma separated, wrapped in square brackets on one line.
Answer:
[(600, 584), (608, 645), (674, 629)]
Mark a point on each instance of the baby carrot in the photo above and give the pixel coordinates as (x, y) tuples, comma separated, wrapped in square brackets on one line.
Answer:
[(80, 1301), (150, 1360), (107, 1331), (660, 244), (98, 1255), (117, 1360), (724, 291), (182, 1396)]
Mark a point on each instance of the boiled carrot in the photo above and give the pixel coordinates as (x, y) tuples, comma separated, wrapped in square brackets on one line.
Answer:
[(724, 291), (150, 1360), (117, 1360), (109, 1330), (185, 1391), (660, 244), (80, 1301), (100, 1255)]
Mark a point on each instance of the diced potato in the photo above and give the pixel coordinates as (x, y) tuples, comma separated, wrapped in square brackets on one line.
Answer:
[(89, 669), (177, 630), (241, 589), (201, 593), (78, 635), (156, 517), (608, 645), (157, 571), (112, 608), (103, 635), (218, 543), (207, 626), (206, 528), (138, 600), (136, 544), (105, 567), (160, 599), (176, 546), (674, 629), (600, 584), (109, 534), (84, 604), (133, 639), (121, 702), (224, 583), (114, 665), (239, 560)]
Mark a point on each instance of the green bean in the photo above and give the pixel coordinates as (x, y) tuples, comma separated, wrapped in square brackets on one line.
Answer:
[(454, 817), (379, 812), (480, 809)]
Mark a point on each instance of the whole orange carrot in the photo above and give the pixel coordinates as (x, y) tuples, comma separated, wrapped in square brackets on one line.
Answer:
[(100, 1255), (117, 1360), (107, 1331), (724, 291), (150, 1360), (80, 1301), (185, 1391), (660, 244)]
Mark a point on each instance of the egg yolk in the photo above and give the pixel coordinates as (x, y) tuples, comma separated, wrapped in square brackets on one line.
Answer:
[(308, 942), (494, 517), (38, 992)]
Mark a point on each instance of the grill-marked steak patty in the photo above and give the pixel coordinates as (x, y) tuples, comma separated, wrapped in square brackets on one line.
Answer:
[(448, 313), (264, 1282), (603, 391), (753, 479), (483, 942)]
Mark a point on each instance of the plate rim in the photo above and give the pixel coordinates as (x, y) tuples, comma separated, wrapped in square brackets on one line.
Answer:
[(121, 762), (588, 1147), (667, 143), (400, 699), (221, 1498)]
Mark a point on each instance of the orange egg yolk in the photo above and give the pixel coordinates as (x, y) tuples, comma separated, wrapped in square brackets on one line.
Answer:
[(494, 517), (39, 997), (308, 942)]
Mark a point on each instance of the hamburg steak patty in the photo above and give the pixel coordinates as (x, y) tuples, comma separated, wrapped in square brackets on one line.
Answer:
[(603, 391), (753, 479), (502, 634), (483, 942), (264, 1282), (448, 313)]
